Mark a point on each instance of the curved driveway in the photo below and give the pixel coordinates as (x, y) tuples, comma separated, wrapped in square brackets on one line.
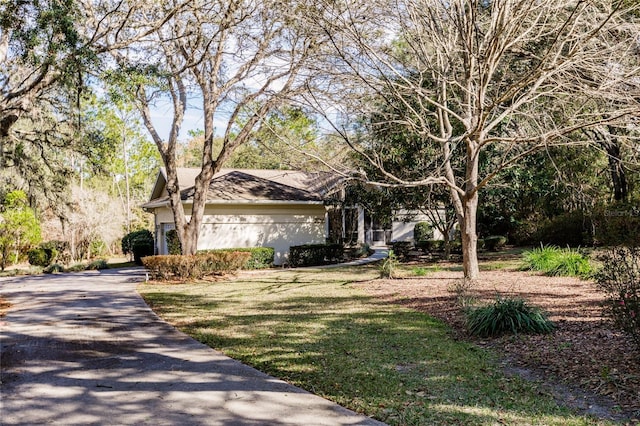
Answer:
[(85, 349)]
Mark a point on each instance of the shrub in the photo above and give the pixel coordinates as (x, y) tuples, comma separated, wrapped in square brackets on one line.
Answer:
[(261, 257), (61, 247), (173, 242), (568, 229), (495, 242), (456, 246), (422, 231), (430, 246), (401, 248), (97, 265), (138, 244), (389, 265), (619, 279), (78, 267), (97, 248), (359, 251), (184, 267), (53, 269), (617, 224), (142, 249), (554, 261), (507, 316), (315, 254), (42, 256)]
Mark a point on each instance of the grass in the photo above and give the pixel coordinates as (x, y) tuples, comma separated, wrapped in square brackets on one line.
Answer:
[(316, 330), (554, 261)]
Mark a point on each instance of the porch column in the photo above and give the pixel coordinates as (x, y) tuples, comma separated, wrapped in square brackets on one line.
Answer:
[(361, 238)]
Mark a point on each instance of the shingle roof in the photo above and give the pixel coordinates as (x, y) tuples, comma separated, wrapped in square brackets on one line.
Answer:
[(244, 185)]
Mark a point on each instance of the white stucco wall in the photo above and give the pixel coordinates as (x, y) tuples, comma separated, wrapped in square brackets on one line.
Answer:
[(255, 225), (404, 222)]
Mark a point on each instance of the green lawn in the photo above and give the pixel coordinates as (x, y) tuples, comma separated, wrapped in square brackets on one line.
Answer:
[(317, 331)]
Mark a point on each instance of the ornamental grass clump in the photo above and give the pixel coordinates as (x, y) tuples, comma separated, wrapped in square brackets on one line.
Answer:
[(389, 265), (619, 279), (507, 315), (554, 261)]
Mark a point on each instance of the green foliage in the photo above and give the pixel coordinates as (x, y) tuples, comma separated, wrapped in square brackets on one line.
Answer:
[(198, 266), (315, 254), (422, 231), (270, 146), (173, 242), (507, 316), (619, 279), (430, 246), (261, 257), (617, 224), (76, 267), (140, 249), (19, 227), (401, 249), (567, 229), (419, 271), (63, 254), (42, 256), (389, 265), (495, 242), (456, 246), (127, 240), (138, 244), (53, 269), (97, 265), (554, 261), (541, 199)]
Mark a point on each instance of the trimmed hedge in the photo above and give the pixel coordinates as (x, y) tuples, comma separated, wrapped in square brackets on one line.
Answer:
[(198, 266), (315, 254), (261, 257)]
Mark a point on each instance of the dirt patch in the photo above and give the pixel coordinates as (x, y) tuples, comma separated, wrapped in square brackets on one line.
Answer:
[(585, 362)]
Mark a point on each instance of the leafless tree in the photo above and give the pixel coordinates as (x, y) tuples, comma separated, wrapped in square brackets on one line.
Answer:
[(237, 59), (473, 77)]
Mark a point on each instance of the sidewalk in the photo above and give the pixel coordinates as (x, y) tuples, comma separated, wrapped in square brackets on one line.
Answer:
[(379, 253)]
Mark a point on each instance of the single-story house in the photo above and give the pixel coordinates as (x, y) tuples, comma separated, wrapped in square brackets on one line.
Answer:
[(251, 208), (272, 208)]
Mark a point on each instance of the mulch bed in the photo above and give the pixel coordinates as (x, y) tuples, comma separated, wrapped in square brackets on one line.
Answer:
[(585, 363)]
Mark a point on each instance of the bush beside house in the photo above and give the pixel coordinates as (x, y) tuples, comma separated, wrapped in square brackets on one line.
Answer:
[(138, 244), (315, 254), (260, 257)]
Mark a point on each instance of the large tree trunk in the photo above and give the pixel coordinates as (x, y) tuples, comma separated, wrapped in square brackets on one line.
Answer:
[(470, 237), (468, 212)]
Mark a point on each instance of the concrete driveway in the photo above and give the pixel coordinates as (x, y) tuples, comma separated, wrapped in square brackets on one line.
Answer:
[(85, 349)]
